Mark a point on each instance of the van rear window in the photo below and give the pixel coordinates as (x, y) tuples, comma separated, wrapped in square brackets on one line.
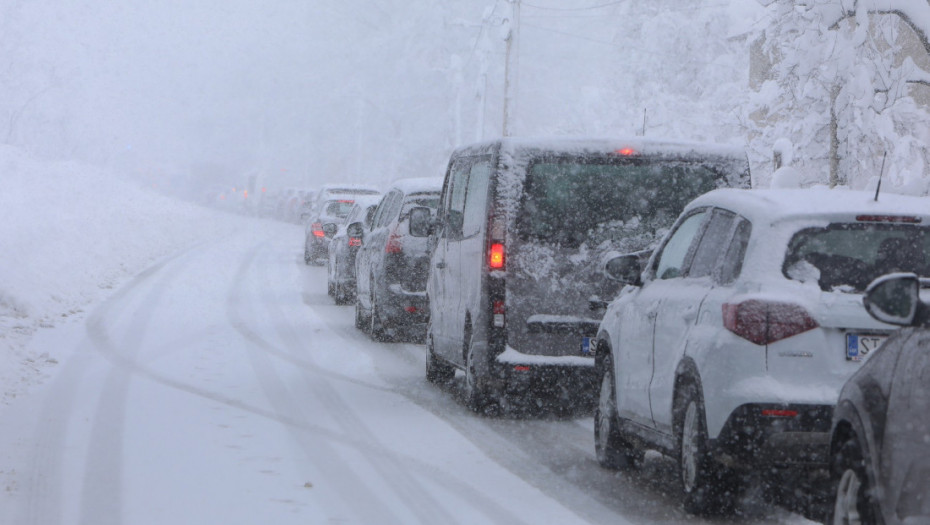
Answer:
[(573, 201)]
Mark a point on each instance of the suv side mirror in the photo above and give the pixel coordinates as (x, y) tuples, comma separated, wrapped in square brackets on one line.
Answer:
[(420, 220), (626, 269), (329, 229), (895, 299)]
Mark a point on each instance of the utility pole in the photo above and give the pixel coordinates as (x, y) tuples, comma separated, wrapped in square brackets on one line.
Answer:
[(510, 66)]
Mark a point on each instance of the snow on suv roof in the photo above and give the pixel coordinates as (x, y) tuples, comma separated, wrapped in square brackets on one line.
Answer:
[(782, 205), (348, 188), (418, 185)]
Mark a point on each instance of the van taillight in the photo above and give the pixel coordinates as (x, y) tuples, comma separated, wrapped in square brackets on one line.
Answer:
[(496, 256), (765, 322), (393, 244), (498, 309)]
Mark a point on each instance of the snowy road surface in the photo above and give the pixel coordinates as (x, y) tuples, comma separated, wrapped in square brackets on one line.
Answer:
[(222, 386)]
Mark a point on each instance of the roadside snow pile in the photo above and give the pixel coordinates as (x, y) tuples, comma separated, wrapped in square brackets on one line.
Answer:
[(68, 233)]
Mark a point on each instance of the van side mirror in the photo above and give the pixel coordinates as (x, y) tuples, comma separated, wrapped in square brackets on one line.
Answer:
[(895, 299), (626, 269), (329, 229), (419, 221)]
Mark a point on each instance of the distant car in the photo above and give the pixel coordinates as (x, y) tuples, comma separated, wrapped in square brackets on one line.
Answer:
[(728, 350), (880, 446), (343, 248), (393, 263), (333, 203), (516, 289)]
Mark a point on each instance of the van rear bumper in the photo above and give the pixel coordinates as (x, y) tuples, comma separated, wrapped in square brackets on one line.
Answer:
[(532, 375)]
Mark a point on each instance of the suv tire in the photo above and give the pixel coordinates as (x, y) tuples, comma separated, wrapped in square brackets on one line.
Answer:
[(852, 503), (707, 488)]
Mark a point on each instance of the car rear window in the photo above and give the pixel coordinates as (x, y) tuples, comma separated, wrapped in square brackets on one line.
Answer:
[(339, 208), (429, 200), (569, 201), (848, 256)]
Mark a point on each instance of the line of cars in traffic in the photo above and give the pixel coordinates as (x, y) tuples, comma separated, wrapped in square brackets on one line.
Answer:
[(711, 322)]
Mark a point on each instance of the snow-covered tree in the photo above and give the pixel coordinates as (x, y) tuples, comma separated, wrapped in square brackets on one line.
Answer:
[(841, 87)]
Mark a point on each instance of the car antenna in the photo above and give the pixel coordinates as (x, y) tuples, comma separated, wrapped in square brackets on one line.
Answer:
[(880, 173), (644, 122)]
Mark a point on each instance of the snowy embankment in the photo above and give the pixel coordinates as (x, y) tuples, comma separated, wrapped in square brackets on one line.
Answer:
[(69, 233)]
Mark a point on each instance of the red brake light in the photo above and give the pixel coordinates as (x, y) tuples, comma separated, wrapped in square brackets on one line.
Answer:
[(765, 322), (317, 229), (626, 151), (355, 241), (346, 201), (393, 244), (888, 218), (772, 412), (496, 256)]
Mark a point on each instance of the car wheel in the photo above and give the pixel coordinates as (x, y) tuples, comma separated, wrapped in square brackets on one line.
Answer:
[(852, 504), (341, 295), (437, 371), (612, 450), (706, 489), (307, 257)]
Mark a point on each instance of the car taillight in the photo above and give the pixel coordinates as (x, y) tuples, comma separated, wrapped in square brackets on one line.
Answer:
[(496, 256), (393, 244), (355, 241), (764, 322), (317, 229)]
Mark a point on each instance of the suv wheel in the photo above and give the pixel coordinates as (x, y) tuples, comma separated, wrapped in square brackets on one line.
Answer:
[(707, 488), (437, 371), (360, 321), (377, 330), (852, 505), (612, 450)]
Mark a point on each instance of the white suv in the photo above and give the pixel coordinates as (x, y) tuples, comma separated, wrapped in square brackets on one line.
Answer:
[(729, 349)]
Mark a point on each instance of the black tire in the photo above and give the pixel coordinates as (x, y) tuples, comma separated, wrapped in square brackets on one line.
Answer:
[(852, 504), (307, 257), (376, 328), (612, 450), (437, 371), (341, 296), (707, 488), (361, 322), (477, 396)]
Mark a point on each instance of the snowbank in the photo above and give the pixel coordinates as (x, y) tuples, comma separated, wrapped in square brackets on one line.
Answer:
[(69, 233)]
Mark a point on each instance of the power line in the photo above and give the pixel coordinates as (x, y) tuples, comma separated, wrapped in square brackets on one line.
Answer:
[(575, 8)]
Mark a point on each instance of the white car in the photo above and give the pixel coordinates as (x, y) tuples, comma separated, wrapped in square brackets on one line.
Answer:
[(729, 349)]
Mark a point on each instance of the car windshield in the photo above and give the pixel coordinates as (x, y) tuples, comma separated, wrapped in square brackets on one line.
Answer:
[(569, 201), (847, 257), (338, 208)]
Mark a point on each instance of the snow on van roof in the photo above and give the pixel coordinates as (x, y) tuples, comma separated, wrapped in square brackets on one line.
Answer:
[(418, 185), (637, 145), (779, 205)]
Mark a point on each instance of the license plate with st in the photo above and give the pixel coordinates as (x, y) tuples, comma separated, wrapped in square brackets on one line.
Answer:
[(858, 346)]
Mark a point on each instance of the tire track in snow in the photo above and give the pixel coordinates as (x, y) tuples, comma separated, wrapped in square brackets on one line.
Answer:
[(394, 468)]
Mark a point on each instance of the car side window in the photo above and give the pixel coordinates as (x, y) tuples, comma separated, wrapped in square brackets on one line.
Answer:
[(671, 262), (733, 260), (713, 243), (475, 216), (383, 215)]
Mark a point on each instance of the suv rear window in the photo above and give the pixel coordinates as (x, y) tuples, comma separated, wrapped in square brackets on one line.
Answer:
[(848, 256), (570, 200)]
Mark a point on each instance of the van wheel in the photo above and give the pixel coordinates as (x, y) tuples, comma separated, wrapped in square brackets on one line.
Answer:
[(437, 371), (853, 504), (477, 397), (377, 330), (707, 488), (360, 321), (612, 450)]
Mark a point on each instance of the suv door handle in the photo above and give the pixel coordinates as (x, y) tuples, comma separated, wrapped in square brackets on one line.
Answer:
[(441, 265)]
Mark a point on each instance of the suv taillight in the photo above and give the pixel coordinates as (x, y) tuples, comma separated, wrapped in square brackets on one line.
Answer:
[(764, 322), (496, 256), (317, 229)]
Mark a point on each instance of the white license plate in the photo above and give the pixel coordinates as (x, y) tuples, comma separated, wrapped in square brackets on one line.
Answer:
[(858, 346)]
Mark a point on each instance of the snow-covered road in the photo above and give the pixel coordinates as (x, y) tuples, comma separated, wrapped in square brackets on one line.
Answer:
[(222, 386)]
